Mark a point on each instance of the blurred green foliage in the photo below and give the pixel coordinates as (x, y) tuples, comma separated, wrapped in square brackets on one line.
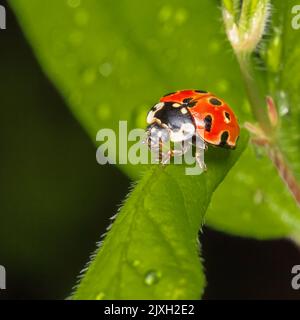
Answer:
[(50, 208), (111, 62), (258, 204), (282, 58)]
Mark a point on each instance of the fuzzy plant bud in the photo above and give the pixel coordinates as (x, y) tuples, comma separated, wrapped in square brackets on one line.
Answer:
[(245, 23)]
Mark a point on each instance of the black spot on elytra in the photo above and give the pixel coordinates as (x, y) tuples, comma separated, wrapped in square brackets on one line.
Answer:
[(201, 91), (189, 102), (227, 115), (168, 94), (224, 138), (215, 102), (208, 123)]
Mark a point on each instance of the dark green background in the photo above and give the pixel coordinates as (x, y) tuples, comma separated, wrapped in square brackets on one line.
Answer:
[(55, 201)]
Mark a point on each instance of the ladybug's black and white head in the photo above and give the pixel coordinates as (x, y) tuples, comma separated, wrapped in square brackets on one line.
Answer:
[(169, 121)]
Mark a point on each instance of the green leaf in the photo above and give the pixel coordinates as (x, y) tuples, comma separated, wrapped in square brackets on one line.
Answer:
[(252, 201), (152, 250), (112, 64)]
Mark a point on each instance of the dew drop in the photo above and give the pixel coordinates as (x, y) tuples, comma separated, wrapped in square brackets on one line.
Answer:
[(136, 263), (105, 69), (214, 46), (81, 18), (181, 16), (104, 111), (152, 277), (100, 296), (223, 86), (258, 197), (283, 103), (89, 76), (165, 13), (74, 3)]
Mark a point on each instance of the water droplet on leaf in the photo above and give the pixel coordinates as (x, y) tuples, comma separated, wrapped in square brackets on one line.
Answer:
[(223, 86), (165, 13), (74, 3), (89, 76), (258, 197), (105, 69), (136, 263), (100, 296), (81, 18), (181, 16), (283, 103), (104, 111), (214, 46), (152, 277)]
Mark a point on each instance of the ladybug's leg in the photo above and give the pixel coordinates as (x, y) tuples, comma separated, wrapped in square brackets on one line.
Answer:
[(165, 152), (200, 159), (201, 147), (165, 157), (176, 152), (184, 148)]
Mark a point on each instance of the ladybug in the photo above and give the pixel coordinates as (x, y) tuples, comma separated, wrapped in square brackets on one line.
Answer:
[(185, 114)]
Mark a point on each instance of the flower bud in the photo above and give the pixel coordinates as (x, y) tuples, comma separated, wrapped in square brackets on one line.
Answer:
[(245, 23)]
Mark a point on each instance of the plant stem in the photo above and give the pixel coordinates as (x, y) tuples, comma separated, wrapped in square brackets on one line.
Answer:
[(259, 109), (257, 102), (285, 172)]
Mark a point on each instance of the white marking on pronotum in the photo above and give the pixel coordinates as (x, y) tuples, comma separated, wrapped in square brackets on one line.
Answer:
[(184, 111), (176, 105), (151, 114)]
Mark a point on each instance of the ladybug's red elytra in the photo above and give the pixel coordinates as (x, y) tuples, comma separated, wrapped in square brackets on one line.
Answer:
[(185, 113)]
